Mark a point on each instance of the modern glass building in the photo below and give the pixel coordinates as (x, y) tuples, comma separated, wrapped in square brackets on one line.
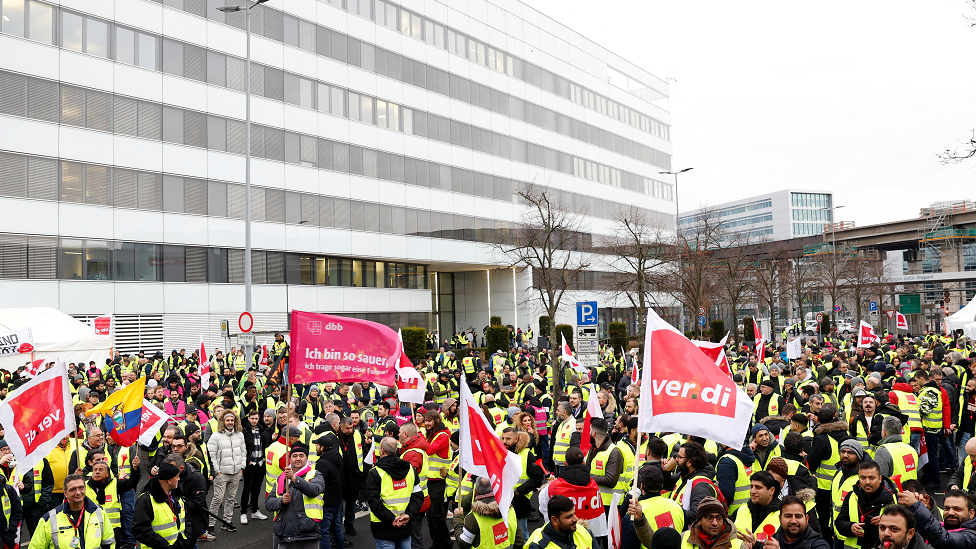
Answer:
[(775, 216), (389, 141)]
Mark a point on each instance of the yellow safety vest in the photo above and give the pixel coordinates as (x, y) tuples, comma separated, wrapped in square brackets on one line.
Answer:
[(734, 543), (436, 462), (828, 467), (626, 478), (967, 473), (468, 365), (394, 493), (496, 533), (776, 452), (599, 467), (743, 522), (55, 530), (662, 512), (453, 475), (358, 441), (561, 444), (904, 460), (272, 470), (112, 505), (933, 418), (169, 526), (313, 505), (582, 539), (742, 483), (424, 468), (838, 491), (524, 476)]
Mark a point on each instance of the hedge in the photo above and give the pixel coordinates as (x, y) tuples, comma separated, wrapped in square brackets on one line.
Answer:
[(497, 339), (718, 330), (461, 353), (415, 342), (544, 326), (495, 321), (825, 325), (618, 335), (748, 333), (567, 331)]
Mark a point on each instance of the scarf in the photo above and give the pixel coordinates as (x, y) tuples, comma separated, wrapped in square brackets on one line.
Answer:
[(281, 478)]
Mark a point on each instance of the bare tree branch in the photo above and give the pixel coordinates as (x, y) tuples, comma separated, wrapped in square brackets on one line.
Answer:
[(964, 151)]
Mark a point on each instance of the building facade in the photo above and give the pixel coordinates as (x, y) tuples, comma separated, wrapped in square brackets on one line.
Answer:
[(780, 215), (389, 141)]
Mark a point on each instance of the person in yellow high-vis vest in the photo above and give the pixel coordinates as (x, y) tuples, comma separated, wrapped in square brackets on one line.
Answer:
[(479, 524), (159, 519), (106, 491), (296, 498), (762, 509), (393, 495), (529, 480), (894, 456), (604, 460), (77, 523)]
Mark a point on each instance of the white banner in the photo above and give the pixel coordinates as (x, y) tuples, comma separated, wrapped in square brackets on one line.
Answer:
[(17, 342), (794, 349), (152, 419)]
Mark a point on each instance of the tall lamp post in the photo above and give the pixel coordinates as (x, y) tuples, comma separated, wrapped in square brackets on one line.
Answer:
[(833, 251), (681, 314), (248, 355)]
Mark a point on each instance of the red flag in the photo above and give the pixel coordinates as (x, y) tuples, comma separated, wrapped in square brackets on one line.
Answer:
[(683, 392), (37, 416), (760, 344), (716, 352), (484, 455), (635, 373), (103, 325), (204, 367), (566, 355), (902, 323), (613, 523), (866, 335), (592, 410)]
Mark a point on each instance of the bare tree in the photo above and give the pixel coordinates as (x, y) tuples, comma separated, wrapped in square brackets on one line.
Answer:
[(769, 277), (799, 275), (732, 261), (547, 240), (966, 149), (638, 248), (829, 273), (690, 279), (859, 279)]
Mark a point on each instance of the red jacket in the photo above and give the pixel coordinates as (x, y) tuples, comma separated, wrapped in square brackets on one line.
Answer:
[(439, 445), (413, 458)]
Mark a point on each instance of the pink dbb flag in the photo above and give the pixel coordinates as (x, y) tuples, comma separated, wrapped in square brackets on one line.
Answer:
[(335, 348), (204, 366), (683, 391)]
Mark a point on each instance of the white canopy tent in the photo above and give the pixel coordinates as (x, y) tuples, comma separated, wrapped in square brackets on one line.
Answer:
[(55, 335), (970, 330), (964, 316)]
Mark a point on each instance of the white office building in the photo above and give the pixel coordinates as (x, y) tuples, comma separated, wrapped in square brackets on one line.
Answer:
[(780, 215), (388, 141)]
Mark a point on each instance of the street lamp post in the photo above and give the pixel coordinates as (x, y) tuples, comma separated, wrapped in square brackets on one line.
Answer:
[(681, 314), (833, 251), (248, 354)]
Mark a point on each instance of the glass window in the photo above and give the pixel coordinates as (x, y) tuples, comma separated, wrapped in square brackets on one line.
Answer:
[(333, 268), (357, 273), (366, 114), (380, 274), (41, 22), (321, 271), (381, 119), (391, 16), (369, 274), (125, 45), (13, 17), (404, 22), (97, 260), (96, 39), (416, 26), (338, 102), (70, 259), (354, 106), (306, 98), (72, 31), (147, 51), (125, 261)]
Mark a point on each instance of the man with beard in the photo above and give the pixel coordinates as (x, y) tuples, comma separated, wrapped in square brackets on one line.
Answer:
[(763, 446), (484, 519), (562, 529), (531, 478), (822, 458), (794, 529), (860, 512), (866, 426), (711, 528), (693, 473), (383, 419), (768, 402), (792, 485), (605, 460), (897, 529), (958, 527), (762, 509), (851, 455)]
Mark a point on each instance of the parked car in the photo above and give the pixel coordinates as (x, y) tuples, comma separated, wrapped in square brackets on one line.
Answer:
[(845, 327)]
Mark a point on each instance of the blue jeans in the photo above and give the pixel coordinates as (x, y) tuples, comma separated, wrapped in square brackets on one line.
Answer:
[(331, 525), (916, 442), (948, 450), (961, 449), (128, 500), (393, 544), (523, 524)]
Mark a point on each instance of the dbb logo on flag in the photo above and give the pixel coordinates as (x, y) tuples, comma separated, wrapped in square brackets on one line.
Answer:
[(500, 531), (673, 395)]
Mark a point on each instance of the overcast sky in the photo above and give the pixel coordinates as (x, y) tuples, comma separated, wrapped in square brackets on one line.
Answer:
[(855, 97)]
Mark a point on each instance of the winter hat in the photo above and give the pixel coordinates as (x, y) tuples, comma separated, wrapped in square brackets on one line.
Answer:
[(768, 383), (856, 380), (854, 446), (298, 448), (666, 538), (708, 506), (758, 428), (778, 465), (167, 471)]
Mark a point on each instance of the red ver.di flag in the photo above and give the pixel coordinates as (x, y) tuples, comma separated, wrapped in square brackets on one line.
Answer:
[(684, 391), (37, 416), (17, 342), (103, 325), (336, 348)]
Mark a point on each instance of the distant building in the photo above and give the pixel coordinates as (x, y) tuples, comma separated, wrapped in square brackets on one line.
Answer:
[(779, 215)]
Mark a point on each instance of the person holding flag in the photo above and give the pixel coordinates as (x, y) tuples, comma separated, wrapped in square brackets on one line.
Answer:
[(479, 524), (531, 478), (122, 413)]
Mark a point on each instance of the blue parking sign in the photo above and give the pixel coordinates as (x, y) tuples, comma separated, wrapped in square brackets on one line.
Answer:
[(586, 313)]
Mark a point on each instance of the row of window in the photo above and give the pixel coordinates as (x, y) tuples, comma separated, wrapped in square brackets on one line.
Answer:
[(31, 257), (747, 221), (216, 68), (734, 210), (288, 29), (810, 200), (807, 229), (54, 102), (812, 215)]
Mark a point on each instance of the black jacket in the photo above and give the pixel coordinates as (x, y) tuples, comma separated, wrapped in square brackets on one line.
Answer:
[(868, 507), (928, 526), (194, 487), (121, 486), (811, 539), (142, 518), (820, 447), (397, 469), (249, 439), (330, 465), (8, 529)]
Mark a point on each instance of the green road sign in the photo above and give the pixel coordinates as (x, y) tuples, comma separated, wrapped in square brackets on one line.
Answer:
[(910, 304)]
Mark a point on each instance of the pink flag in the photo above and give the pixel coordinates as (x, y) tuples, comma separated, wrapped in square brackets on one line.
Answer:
[(683, 392), (484, 455), (337, 349), (592, 410), (204, 366), (866, 335)]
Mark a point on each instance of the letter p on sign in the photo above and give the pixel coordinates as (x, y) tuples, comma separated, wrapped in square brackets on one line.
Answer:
[(586, 313)]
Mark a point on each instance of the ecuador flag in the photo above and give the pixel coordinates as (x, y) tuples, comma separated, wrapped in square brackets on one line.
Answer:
[(122, 411)]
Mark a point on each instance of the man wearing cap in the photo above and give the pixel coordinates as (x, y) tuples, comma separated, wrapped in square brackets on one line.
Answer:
[(652, 511), (851, 455), (767, 402), (276, 456), (791, 484), (479, 522), (297, 497), (711, 529), (394, 496), (159, 519), (763, 446)]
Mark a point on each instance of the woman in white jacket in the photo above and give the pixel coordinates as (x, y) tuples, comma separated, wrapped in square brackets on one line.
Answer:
[(228, 456)]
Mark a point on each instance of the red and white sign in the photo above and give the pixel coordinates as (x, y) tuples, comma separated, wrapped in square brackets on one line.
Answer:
[(335, 348), (589, 505), (500, 533), (245, 322), (592, 410), (37, 416), (152, 420), (613, 523), (484, 455), (760, 344), (17, 342), (902, 322), (866, 335), (890, 314), (683, 391), (103, 326), (204, 366)]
